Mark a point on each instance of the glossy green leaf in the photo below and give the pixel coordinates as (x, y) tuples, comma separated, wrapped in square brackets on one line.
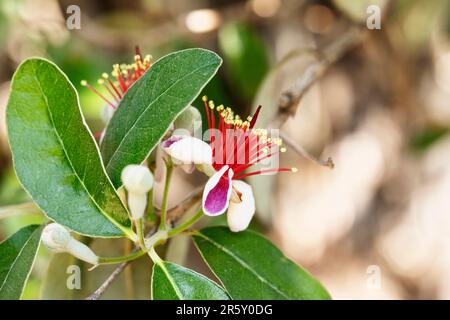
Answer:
[(251, 267), (152, 104), (174, 282), (55, 156), (17, 254)]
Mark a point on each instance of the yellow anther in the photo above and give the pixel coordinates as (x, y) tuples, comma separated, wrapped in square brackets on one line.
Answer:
[(249, 119), (105, 75), (100, 81), (83, 83), (283, 149), (205, 98), (211, 104), (294, 169)]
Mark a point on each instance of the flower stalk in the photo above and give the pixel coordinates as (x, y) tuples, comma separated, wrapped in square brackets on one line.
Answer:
[(169, 170)]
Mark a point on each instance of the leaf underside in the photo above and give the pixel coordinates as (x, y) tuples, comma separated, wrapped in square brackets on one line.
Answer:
[(17, 254), (251, 267), (55, 156), (152, 104)]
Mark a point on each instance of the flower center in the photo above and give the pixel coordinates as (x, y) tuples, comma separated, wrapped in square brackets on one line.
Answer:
[(238, 144), (121, 79)]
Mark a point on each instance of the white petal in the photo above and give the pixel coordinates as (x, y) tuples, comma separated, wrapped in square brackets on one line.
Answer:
[(188, 150), (240, 214), (217, 192)]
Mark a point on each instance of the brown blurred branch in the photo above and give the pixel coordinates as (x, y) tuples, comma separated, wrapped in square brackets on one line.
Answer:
[(305, 154), (16, 209), (289, 99)]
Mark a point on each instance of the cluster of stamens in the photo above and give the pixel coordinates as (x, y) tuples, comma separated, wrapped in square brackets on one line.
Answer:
[(255, 142), (121, 79)]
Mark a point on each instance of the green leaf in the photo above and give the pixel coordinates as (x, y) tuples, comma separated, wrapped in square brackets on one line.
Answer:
[(174, 282), (17, 254), (55, 156), (152, 104), (251, 267)]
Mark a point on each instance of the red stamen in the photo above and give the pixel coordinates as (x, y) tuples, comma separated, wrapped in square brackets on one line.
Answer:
[(261, 172)]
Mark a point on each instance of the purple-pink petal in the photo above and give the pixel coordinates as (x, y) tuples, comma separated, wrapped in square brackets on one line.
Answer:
[(217, 196)]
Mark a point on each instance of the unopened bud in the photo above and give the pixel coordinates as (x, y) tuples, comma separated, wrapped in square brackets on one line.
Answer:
[(58, 239), (138, 181), (55, 237)]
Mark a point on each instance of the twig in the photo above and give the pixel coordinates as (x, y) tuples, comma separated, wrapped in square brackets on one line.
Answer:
[(16, 209), (290, 98), (305, 154), (101, 290)]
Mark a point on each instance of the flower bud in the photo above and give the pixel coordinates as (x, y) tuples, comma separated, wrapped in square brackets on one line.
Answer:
[(138, 180), (187, 150), (55, 237), (58, 239)]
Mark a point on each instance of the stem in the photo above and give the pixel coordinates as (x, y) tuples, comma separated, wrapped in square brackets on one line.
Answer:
[(182, 227), (169, 169), (156, 239), (114, 260), (140, 233), (154, 256)]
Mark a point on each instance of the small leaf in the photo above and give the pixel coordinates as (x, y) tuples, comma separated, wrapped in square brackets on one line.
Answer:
[(17, 254), (251, 267), (55, 156), (152, 104), (173, 282)]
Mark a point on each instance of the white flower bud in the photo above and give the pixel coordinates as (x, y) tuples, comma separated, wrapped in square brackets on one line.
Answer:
[(55, 237), (81, 251), (138, 180), (58, 239), (187, 150)]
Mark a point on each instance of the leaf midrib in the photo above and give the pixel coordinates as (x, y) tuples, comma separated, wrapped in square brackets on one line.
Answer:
[(120, 227), (146, 108), (171, 280), (242, 263), (17, 258)]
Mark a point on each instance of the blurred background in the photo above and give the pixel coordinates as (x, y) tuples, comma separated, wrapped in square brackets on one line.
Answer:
[(377, 226)]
